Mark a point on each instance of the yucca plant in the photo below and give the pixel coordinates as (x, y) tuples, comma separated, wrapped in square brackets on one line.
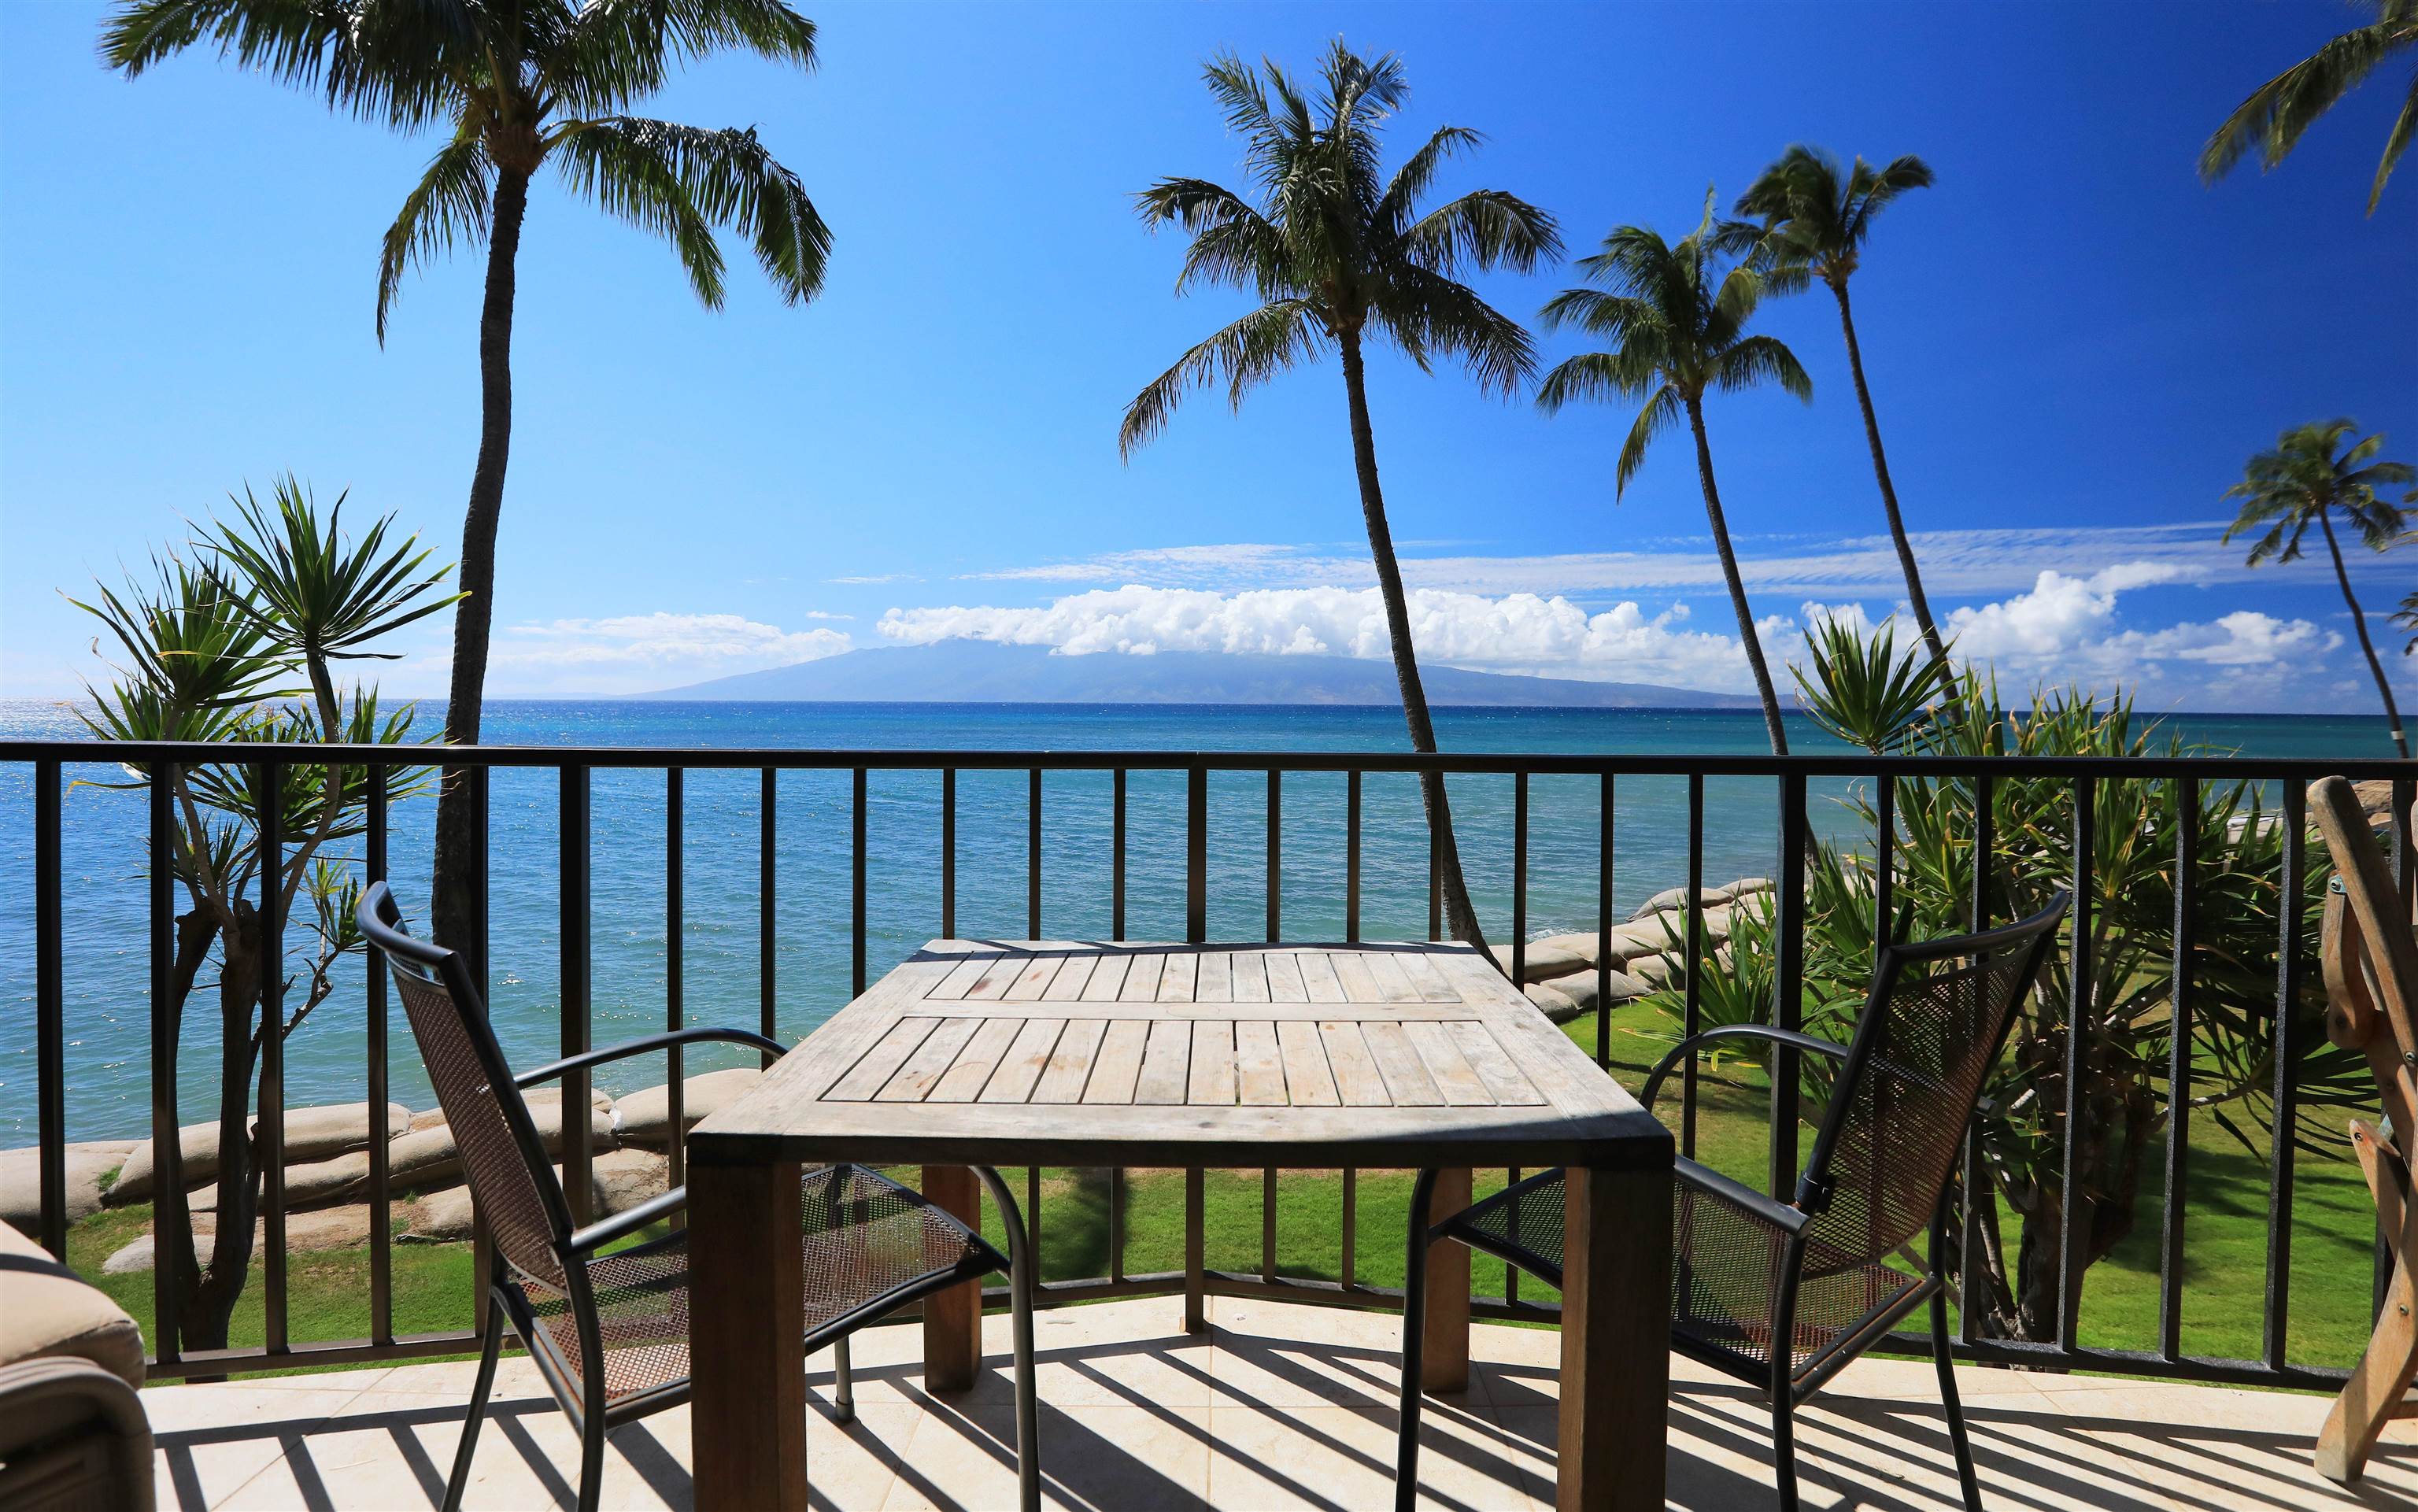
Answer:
[(237, 649), (514, 86), (2122, 1005)]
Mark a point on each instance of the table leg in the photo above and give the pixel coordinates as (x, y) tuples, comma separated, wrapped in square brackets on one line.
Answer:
[(1616, 1340), (747, 1338), (953, 1319), (1443, 1363)]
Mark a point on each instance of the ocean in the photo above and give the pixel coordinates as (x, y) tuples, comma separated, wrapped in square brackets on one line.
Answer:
[(107, 970)]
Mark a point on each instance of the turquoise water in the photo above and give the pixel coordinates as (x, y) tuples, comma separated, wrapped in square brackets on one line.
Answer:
[(107, 950)]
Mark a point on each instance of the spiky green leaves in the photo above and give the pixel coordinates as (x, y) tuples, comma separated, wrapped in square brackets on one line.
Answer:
[(1332, 248), (1814, 219), (314, 593)]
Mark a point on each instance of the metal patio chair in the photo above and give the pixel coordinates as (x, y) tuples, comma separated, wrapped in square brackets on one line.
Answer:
[(1747, 1269), (871, 1245)]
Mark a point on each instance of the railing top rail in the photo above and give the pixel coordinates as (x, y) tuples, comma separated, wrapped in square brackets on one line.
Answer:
[(1826, 764)]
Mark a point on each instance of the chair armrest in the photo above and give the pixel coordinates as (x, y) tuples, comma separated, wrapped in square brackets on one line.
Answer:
[(1788, 1037), (640, 1046), (1755, 1204), (605, 1231)]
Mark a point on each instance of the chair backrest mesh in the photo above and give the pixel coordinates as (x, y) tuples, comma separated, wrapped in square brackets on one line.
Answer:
[(1898, 1124), (502, 1182)]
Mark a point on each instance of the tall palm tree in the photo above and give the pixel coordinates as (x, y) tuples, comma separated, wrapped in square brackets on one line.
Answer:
[(2305, 482), (515, 84), (1341, 257), (2278, 111), (1679, 320), (1815, 222)]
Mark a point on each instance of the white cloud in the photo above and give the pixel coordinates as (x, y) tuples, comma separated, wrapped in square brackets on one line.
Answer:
[(877, 578), (1955, 563), (1515, 632), (639, 654)]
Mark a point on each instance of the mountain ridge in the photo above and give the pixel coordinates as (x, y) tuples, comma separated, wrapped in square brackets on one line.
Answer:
[(986, 672)]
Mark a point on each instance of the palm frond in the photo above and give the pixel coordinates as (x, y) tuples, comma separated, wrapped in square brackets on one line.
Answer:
[(2277, 112), (1416, 175), (449, 203), (1245, 353), (1484, 229), (1661, 413), (629, 175), (1759, 359), (729, 179), (1426, 312)]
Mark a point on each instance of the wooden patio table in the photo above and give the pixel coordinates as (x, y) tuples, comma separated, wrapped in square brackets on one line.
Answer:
[(1080, 1054)]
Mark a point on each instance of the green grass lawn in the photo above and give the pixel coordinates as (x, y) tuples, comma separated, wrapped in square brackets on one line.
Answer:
[(2225, 1254)]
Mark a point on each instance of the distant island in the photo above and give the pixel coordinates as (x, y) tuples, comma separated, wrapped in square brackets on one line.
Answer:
[(969, 671)]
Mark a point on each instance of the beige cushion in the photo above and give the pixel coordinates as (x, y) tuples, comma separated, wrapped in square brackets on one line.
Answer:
[(47, 1312), (645, 1117)]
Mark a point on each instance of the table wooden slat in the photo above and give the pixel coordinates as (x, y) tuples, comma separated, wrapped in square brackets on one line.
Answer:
[(882, 1062), (1350, 969), (1431, 982), (1393, 982), (1460, 1084), (1166, 1063), (1074, 975), (1250, 976), (954, 986), (1397, 1062), (1141, 978), (1034, 980), (1071, 1059), (1213, 1064), (1357, 1077), (970, 1071), (1259, 1074), (1175, 985), (931, 1061), (1120, 1062), (1318, 976), (1487, 1059), (1308, 1079), (1027, 1056), (998, 973), (1215, 982), (1284, 977), (1107, 983)]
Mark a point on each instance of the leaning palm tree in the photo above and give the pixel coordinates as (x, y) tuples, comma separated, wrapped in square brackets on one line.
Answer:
[(515, 84), (1815, 222), (2278, 111), (2305, 480), (1340, 257), (1679, 320)]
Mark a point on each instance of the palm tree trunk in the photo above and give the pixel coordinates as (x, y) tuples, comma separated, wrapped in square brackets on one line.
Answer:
[(1737, 589), (1914, 595), (453, 909), (1459, 917), (2367, 648)]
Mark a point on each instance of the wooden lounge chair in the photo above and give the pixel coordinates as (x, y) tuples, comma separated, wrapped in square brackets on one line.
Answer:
[(1748, 1271), (608, 1327), (2371, 971)]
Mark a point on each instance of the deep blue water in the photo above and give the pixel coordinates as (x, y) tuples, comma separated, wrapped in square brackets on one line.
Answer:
[(107, 969)]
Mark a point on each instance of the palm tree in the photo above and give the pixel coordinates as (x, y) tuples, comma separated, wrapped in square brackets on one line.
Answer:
[(2278, 111), (1679, 321), (2305, 482), (1814, 227), (1342, 258), (515, 84)]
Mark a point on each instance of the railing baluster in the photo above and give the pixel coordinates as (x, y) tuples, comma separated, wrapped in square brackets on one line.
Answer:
[(50, 1011), (675, 980), (2074, 1256), (270, 1133), (949, 853), (1692, 1013), (2178, 1046), (172, 1244), (1351, 1227), (1032, 1213), (1031, 856), (1604, 926), (1977, 1186), (1268, 1224), (1276, 855), (578, 1146), (1511, 1217), (766, 942), (2288, 900), (1117, 1225), (481, 791), (1884, 864), (1196, 853), (856, 885), (1519, 879), (1435, 886), (375, 1025), (1117, 860), (1788, 983), (1351, 856)]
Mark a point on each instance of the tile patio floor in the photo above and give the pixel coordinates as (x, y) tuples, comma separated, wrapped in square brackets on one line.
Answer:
[(1279, 1407)]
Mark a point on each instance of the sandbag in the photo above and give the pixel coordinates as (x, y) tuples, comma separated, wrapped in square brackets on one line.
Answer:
[(644, 1117)]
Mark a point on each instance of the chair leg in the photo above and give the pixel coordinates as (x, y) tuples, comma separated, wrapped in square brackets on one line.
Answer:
[(1784, 1449), (591, 1456), (1948, 1399), (1023, 1281), (1414, 1291), (843, 1385), (488, 1348)]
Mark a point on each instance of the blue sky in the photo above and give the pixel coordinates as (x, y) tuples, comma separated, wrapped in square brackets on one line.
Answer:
[(2073, 343)]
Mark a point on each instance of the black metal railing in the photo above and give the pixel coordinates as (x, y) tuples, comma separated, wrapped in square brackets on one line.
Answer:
[(2187, 778)]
